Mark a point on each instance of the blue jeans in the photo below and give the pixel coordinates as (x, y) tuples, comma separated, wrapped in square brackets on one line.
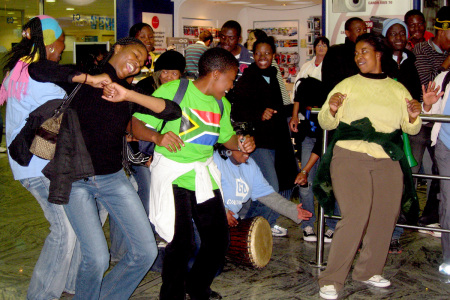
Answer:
[(306, 193), (142, 176), (117, 195), (265, 159), (54, 263), (258, 209)]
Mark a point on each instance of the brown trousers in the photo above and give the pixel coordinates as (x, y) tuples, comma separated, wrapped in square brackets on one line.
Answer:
[(369, 192)]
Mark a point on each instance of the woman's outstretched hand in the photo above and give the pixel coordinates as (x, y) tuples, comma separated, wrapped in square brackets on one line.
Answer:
[(114, 92), (431, 95)]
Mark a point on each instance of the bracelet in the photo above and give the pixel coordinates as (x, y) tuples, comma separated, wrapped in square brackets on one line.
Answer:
[(304, 172), (85, 79)]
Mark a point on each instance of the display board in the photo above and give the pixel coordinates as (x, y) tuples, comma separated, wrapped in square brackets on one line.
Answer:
[(338, 11), (192, 27), (286, 37)]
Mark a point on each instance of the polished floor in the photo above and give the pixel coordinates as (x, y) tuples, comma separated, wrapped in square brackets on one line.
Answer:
[(289, 275)]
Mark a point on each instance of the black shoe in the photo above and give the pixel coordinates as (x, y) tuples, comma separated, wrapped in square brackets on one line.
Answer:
[(215, 296), (395, 247), (428, 219)]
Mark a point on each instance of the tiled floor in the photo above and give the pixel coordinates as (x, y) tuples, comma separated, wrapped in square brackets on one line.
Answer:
[(289, 275)]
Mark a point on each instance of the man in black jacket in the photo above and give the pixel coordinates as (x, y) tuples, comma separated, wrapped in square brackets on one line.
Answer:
[(339, 63)]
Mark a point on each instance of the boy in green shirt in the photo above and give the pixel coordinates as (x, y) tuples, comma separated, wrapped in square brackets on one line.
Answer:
[(185, 185)]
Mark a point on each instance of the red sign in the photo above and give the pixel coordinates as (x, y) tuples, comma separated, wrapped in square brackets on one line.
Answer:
[(155, 22)]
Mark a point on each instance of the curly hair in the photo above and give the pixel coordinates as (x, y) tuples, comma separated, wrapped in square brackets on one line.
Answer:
[(216, 59), (126, 41)]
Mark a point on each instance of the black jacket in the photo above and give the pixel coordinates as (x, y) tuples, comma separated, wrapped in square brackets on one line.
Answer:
[(338, 64), (405, 73), (251, 96), (72, 161)]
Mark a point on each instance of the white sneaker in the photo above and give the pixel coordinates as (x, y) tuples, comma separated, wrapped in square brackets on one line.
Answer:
[(2, 149), (444, 269), (378, 281), (437, 234), (279, 231), (328, 292), (309, 235), (328, 236)]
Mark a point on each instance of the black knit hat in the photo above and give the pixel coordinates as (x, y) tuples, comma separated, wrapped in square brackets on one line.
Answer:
[(170, 60), (443, 18)]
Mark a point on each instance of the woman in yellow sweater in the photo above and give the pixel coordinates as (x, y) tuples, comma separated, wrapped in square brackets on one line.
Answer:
[(366, 176)]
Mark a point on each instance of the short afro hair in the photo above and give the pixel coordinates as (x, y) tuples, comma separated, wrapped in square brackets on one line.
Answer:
[(349, 22), (414, 12), (231, 24), (269, 40), (216, 59)]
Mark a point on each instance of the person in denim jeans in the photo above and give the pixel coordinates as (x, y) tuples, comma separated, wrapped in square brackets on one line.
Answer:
[(55, 263), (102, 125)]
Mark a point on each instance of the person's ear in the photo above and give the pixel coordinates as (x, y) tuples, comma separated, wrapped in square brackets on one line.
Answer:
[(26, 33), (240, 39), (215, 75), (347, 33), (117, 49)]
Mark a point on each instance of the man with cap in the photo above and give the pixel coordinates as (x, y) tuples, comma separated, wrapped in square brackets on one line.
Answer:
[(431, 59), (401, 68)]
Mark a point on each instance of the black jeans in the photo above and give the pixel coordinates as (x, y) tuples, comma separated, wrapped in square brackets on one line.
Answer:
[(419, 143), (211, 222)]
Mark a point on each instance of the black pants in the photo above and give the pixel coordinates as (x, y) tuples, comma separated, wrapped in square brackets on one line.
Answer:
[(211, 222)]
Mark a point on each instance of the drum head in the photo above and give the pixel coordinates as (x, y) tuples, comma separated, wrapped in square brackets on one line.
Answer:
[(260, 242)]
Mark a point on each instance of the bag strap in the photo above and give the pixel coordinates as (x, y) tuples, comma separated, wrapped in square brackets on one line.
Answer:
[(179, 95), (67, 100)]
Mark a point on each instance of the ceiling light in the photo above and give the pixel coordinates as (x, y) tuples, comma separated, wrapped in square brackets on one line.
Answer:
[(70, 8), (50, 1), (79, 2), (10, 13)]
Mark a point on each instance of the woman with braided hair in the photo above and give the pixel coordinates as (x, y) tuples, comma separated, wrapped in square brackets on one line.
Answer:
[(103, 124), (42, 42)]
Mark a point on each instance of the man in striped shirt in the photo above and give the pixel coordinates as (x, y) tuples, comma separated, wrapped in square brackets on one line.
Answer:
[(193, 53), (431, 59)]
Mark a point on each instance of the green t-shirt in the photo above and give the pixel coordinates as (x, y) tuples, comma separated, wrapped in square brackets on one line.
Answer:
[(200, 127)]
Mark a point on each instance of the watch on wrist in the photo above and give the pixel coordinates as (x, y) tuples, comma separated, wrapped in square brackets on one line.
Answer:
[(304, 172)]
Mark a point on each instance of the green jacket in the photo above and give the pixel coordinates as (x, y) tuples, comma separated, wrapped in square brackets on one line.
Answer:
[(393, 146)]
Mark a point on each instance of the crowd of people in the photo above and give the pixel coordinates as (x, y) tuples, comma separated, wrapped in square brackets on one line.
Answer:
[(206, 141)]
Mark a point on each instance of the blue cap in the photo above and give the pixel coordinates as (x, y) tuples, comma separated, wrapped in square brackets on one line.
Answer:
[(388, 23)]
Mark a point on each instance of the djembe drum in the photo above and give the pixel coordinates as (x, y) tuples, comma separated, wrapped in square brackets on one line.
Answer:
[(251, 243)]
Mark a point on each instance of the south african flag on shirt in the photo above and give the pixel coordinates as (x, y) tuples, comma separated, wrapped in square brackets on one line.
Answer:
[(199, 127)]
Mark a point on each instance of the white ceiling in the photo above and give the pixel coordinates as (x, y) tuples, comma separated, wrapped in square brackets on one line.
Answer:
[(58, 8), (263, 3)]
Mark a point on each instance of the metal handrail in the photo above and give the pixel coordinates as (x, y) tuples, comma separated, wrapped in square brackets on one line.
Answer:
[(321, 214)]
